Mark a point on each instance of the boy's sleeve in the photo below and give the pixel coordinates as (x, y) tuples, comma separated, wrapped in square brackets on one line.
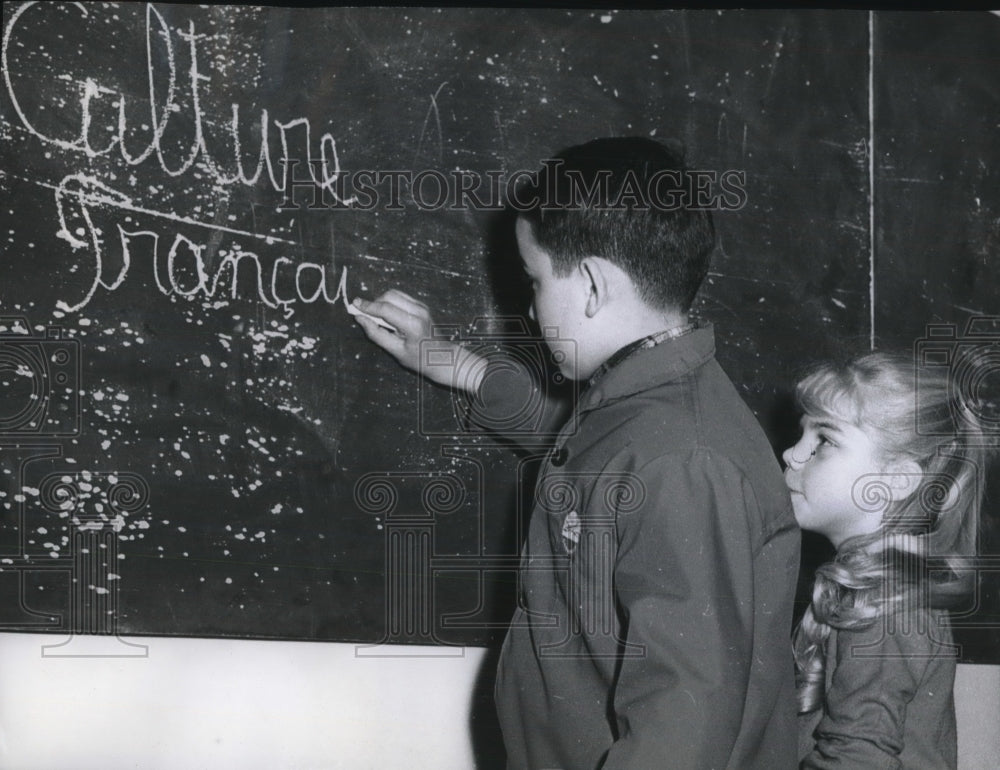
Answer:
[(512, 403), (685, 585), (878, 671)]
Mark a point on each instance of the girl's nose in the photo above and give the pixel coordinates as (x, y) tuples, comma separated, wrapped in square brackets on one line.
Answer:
[(531, 311), (796, 456)]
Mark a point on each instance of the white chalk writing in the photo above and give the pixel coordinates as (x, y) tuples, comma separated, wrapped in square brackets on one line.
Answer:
[(280, 282)]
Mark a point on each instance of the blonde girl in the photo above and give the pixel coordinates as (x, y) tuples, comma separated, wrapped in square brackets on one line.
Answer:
[(890, 469)]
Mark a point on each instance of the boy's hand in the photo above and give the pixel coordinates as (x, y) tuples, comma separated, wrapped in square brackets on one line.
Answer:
[(413, 323)]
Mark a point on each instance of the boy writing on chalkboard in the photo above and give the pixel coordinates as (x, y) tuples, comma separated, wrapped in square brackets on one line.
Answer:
[(659, 568)]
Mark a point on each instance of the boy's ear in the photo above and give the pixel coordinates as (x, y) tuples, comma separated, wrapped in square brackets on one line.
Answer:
[(904, 478), (595, 273)]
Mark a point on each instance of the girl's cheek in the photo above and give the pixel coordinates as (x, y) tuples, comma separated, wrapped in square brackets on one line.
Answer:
[(797, 511)]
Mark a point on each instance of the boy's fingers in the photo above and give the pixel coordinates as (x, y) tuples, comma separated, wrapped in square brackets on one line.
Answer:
[(405, 301), (390, 312), (378, 306), (395, 298), (382, 337)]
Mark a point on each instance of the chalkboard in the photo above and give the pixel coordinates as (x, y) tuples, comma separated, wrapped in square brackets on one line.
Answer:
[(937, 110), (198, 440)]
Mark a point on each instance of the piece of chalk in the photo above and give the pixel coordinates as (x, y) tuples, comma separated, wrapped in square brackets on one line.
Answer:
[(354, 310)]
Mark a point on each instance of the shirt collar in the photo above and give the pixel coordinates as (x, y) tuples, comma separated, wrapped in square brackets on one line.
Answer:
[(647, 363), (645, 343)]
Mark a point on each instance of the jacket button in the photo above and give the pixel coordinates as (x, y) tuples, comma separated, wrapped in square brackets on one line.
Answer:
[(559, 458)]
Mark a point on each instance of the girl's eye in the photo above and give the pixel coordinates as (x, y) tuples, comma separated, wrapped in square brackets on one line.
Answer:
[(823, 440)]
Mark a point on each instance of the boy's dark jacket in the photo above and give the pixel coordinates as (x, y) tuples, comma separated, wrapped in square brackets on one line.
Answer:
[(657, 579)]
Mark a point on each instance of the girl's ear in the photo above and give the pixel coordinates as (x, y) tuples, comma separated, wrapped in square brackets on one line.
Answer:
[(904, 478)]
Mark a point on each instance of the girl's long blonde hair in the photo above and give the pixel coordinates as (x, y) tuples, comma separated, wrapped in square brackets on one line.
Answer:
[(909, 413)]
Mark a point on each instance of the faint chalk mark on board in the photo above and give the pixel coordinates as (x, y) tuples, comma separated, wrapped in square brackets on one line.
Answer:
[(432, 109)]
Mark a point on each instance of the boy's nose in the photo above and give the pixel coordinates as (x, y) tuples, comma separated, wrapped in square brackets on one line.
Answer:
[(531, 312)]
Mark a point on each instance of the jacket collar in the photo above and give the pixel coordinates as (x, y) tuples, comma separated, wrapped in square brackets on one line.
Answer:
[(648, 363)]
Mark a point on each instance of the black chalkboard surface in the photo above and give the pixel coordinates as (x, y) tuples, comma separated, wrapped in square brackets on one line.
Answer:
[(196, 438)]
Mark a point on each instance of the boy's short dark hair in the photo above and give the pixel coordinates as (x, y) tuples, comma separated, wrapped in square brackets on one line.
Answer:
[(618, 198)]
